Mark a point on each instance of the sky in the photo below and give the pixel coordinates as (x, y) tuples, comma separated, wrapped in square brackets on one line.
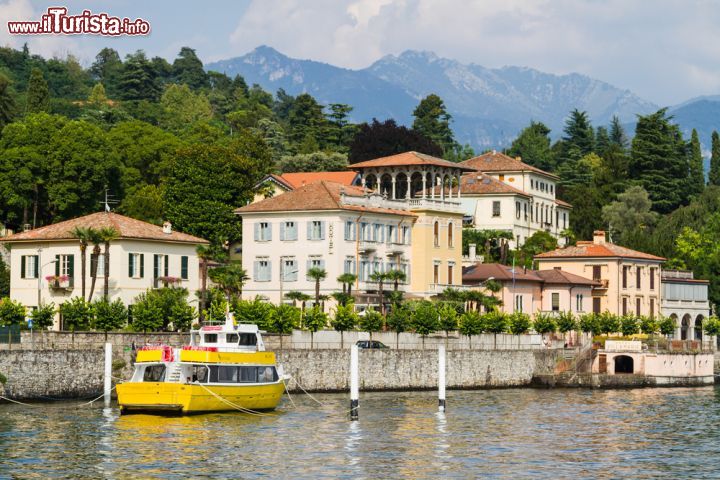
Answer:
[(666, 51)]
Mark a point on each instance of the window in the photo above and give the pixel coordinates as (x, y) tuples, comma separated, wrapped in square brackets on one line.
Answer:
[(638, 303), (160, 266), (450, 235), (154, 373), (136, 265), (436, 234), (518, 303), (315, 262), (261, 270), (496, 208), (525, 210), (211, 338), (624, 306), (316, 230), (184, 267), (364, 231), (350, 230), (231, 338), (555, 301), (564, 220), (517, 210), (349, 265), (65, 265), (288, 231), (378, 233), (652, 308), (652, 278), (625, 277), (552, 188), (436, 273), (537, 215), (596, 304), (391, 234), (263, 232), (29, 266), (532, 183), (450, 274), (501, 177), (557, 218), (638, 271), (579, 302), (406, 235), (290, 270), (517, 241), (597, 272)]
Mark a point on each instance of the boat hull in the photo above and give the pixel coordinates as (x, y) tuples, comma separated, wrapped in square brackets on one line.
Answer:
[(182, 399)]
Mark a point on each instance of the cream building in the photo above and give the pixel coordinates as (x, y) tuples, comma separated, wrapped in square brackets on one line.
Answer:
[(629, 280), (45, 263), (507, 194), (685, 300)]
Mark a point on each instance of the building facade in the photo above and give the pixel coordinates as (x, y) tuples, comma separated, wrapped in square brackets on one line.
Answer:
[(685, 300), (510, 195), (46, 262), (629, 280)]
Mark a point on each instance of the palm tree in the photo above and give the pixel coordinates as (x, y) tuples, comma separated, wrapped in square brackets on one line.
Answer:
[(204, 253), (317, 274), (295, 296), (379, 277), (396, 276), (94, 238), (83, 235), (347, 280), (108, 234), (230, 278)]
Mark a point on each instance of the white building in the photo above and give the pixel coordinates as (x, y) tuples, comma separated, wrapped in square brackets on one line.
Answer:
[(326, 225), (685, 300), (510, 195), (46, 265)]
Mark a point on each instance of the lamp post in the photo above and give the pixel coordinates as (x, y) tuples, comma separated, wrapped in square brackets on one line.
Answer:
[(282, 275), (39, 279)]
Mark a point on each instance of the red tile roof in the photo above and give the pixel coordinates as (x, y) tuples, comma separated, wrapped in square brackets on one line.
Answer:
[(409, 159), (296, 180), (499, 162), (482, 271), (588, 249), (322, 195), (562, 203), (481, 184), (128, 228)]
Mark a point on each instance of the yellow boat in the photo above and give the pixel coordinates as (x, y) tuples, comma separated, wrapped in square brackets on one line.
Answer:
[(224, 368)]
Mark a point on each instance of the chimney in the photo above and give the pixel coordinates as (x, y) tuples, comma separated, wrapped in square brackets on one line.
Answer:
[(519, 159), (167, 228), (494, 152), (26, 227), (473, 251), (599, 237)]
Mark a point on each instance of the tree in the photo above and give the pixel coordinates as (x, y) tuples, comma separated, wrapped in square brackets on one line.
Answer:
[(589, 323), (396, 277), (371, 321), (424, 319), (147, 314), (537, 243), (183, 108), (629, 214), (544, 323), (283, 320), (138, 79), (315, 319), (470, 324), (106, 69), (519, 323), (205, 254), (188, 69), (347, 280), (7, 102), (433, 121), (38, 94), (230, 279), (711, 326), (98, 98), (533, 146), (379, 277), (255, 311), (618, 137), (11, 312), (495, 322), (77, 314), (659, 161), (566, 322), (666, 326), (306, 121), (608, 323), (345, 319), (448, 318), (577, 142), (107, 235), (83, 236), (714, 177), (398, 320), (649, 325), (144, 203), (43, 317), (381, 139), (317, 274), (629, 325), (696, 179), (108, 315), (94, 237)]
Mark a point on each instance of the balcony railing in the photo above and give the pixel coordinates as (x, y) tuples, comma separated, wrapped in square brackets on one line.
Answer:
[(604, 283), (61, 282), (441, 287)]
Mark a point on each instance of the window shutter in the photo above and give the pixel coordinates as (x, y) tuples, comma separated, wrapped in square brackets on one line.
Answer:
[(294, 231), (257, 232), (347, 230), (268, 271), (309, 230), (57, 265), (131, 264), (256, 268), (409, 235), (156, 266), (184, 267), (353, 266), (322, 230), (283, 235), (142, 265), (71, 266), (268, 237), (167, 266), (22, 266), (322, 264), (36, 267)]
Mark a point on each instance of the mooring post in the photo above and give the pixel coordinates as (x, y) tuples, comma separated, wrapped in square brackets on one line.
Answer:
[(441, 378), (108, 373), (354, 383)]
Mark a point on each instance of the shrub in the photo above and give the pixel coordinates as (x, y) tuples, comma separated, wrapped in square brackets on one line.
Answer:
[(711, 326), (589, 323), (254, 311), (629, 325), (371, 321), (424, 318), (608, 323), (43, 317), (649, 325), (3, 379), (147, 314), (666, 326), (77, 314), (519, 323), (109, 315), (566, 322), (448, 314), (470, 324), (544, 323), (495, 322), (283, 319)]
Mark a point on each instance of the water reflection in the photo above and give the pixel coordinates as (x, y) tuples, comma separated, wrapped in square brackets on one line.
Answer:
[(650, 433)]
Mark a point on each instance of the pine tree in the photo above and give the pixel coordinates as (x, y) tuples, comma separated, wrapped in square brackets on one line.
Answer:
[(138, 79), (7, 102), (617, 133), (188, 69), (433, 121), (38, 94), (696, 177), (578, 142), (715, 160), (602, 141), (533, 146)]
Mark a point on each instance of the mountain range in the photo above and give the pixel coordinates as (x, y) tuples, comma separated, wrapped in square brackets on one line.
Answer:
[(489, 106)]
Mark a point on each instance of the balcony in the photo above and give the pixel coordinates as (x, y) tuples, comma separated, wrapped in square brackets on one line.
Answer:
[(604, 283), (441, 287), (60, 283), (366, 247), (163, 282), (434, 204)]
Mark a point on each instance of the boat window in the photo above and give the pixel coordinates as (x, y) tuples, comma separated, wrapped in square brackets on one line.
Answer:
[(267, 375), (154, 373), (248, 375), (211, 338), (231, 338), (231, 374), (248, 339), (199, 373)]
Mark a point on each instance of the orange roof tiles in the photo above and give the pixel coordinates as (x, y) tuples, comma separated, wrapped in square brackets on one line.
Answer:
[(499, 162), (596, 250), (562, 203), (128, 228), (409, 159), (482, 271), (298, 179), (321, 195)]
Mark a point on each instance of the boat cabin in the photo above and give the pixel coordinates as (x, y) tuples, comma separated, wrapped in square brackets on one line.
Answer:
[(243, 338)]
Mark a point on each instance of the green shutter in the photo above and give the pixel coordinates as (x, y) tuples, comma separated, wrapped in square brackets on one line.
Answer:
[(142, 265), (130, 265), (156, 266), (167, 266), (22, 266), (184, 267), (36, 268), (71, 266), (57, 265)]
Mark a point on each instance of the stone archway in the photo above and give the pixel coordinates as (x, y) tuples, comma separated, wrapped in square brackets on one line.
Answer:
[(401, 186), (416, 185), (371, 182), (699, 328), (685, 327), (386, 186), (624, 364), (676, 325)]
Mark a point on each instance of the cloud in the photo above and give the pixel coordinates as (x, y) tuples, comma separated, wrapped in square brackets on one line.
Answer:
[(666, 50)]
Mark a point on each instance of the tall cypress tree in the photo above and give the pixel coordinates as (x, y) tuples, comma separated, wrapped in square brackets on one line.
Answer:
[(433, 121), (714, 178), (659, 161), (617, 133), (577, 142), (696, 177), (38, 94), (602, 141)]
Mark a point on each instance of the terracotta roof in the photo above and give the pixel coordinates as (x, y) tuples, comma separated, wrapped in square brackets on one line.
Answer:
[(322, 195), (296, 180), (127, 228), (587, 249), (482, 271), (477, 183), (279, 179), (499, 162), (562, 204), (410, 159)]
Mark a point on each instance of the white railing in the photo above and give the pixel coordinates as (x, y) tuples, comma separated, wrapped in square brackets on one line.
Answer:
[(434, 204), (684, 274), (373, 200), (440, 287)]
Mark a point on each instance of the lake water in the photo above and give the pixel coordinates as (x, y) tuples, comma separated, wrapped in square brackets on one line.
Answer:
[(514, 433)]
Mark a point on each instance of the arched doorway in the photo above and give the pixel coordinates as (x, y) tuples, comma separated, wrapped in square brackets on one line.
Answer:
[(698, 328), (386, 185), (371, 182), (401, 186), (674, 319), (624, 364), (685, 327)]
